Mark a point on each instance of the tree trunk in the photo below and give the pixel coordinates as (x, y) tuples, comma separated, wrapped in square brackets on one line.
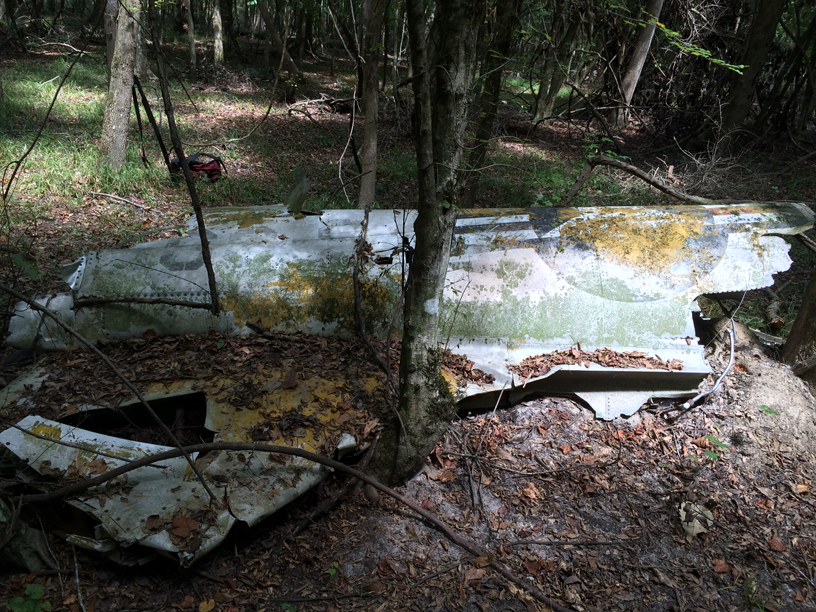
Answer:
[(425, 403), (759, 41), (288, 63), (111, 12), (801, 345), (372, 18), (191, 34), (548, 91), (489, 102), (218, 35), (639, 55), (113, 140)]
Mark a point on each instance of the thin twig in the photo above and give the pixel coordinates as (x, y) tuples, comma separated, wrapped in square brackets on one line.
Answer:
[(330, 503), (603, 160), (82, 447), (97, 301), (113, 197), (34, 305), (564, 543), (76, 576)]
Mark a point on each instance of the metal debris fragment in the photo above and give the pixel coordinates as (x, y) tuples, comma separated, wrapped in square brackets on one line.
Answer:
[(521, 282)]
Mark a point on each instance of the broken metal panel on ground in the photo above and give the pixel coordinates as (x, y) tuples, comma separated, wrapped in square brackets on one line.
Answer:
[(520, 282), (164, 507)]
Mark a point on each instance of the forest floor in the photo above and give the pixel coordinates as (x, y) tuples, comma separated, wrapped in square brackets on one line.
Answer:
[(602, 500)]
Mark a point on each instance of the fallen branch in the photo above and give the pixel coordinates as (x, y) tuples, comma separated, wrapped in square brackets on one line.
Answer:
[(810, 244), (118, 199), (84, 302), (603, 160), (84, 448), (461, 541), (35, 306)]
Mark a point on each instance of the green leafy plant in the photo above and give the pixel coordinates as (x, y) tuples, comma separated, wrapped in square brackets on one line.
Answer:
[(31, 602), (333, 569), (752, 598), (764, 408)]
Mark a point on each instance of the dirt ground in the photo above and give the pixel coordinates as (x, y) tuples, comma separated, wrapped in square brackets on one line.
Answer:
[(586, 511)]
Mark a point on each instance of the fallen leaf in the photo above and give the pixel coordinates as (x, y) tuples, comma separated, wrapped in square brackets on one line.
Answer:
[(483, 561), (206, 606), (531, 491), (98, 466), (187, 603), (695, 519), (153, 524), (474, 573), (777, 545), (720, 566), (427, 504), (183, 526), (802, 488), (290, 380), (533, 566), (442, 476), (565, 449)]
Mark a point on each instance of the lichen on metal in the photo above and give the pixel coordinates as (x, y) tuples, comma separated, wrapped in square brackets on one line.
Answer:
[(520, 281), (313, 415)]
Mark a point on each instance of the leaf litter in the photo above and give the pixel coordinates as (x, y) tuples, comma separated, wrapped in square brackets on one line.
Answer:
[(588, 511)]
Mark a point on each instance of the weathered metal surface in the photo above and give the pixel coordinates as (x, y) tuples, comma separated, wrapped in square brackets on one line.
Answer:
[(144, 507), (520, 282)]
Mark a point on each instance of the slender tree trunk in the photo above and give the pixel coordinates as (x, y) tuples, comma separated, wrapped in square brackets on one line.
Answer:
[(99, 7), (113, 140), (425, 404), (191, 34), (801, 345), (218, 34), (111, 13), (497, 57), (372, 18), (639, 55), (548, 91), (288, 64), (759, 41)]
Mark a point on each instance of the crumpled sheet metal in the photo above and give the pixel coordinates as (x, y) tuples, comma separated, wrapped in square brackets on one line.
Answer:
[(255, 484), (520, 282)]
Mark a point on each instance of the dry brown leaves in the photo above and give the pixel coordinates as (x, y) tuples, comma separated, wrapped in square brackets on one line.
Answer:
[(462, 368), (540, 365)]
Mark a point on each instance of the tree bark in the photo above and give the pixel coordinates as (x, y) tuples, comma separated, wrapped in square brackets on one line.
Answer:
[(801, 344), (425, 403), (111, 11), (113, 140), (191, 34), (288, 63), (506, 17), (556, 73), (372, 18), (639, 55), (759, 41), (218, 34)]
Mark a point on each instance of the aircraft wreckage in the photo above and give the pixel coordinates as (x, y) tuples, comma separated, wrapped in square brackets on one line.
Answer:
[(523, 284)]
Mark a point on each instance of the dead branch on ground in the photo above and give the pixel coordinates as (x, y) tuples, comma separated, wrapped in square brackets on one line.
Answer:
[(461, 541), (603, 160), (34, 305)]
